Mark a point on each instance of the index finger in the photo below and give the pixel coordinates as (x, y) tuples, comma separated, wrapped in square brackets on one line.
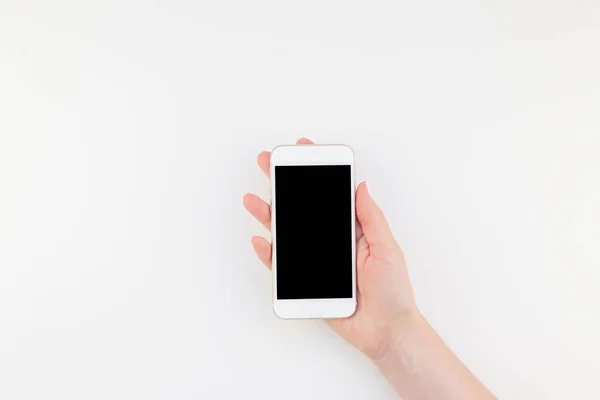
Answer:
[(264, 161)]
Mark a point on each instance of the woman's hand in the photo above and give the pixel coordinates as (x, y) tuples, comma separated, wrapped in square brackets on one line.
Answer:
[(385, 302), (387, 326)]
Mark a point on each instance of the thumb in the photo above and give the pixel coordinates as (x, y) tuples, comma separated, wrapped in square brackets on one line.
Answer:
[(372, 221)]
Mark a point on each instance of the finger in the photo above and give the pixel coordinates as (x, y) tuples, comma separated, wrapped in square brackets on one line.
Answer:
[(374, 226), (262, 248), (258, 208), (264, 161), (304, 140), (361, 242), (359, 232)]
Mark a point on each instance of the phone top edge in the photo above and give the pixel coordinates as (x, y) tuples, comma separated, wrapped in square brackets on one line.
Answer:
[(330, 154), (313, 144)]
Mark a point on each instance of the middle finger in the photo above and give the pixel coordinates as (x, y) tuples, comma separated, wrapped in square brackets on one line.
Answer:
[(258, 208)]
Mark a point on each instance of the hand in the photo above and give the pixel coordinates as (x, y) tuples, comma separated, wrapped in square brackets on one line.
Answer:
[(387, 326), (385, 301)]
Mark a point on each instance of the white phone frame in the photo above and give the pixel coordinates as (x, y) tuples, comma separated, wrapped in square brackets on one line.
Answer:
[(298, 155)]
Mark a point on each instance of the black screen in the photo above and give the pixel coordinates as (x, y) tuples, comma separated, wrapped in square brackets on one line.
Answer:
[(313, 217)]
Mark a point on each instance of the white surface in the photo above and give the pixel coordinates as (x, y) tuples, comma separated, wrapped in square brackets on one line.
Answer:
[(312, 155), (129, 132)]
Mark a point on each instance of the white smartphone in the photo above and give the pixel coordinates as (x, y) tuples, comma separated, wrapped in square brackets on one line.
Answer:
[(313, 231)]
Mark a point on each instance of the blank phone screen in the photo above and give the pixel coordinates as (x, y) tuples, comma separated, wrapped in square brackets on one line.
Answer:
[(313, 234)]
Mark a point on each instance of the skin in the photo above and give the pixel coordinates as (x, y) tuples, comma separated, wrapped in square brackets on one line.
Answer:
[(387, 326)]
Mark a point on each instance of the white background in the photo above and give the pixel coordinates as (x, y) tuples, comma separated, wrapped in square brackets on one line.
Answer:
[(128, 135)]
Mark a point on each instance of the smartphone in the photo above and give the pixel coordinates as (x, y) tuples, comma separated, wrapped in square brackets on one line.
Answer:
[(313, 231)]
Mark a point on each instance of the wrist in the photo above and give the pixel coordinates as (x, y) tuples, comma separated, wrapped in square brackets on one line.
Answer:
[(396, 348), (418, 364)]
